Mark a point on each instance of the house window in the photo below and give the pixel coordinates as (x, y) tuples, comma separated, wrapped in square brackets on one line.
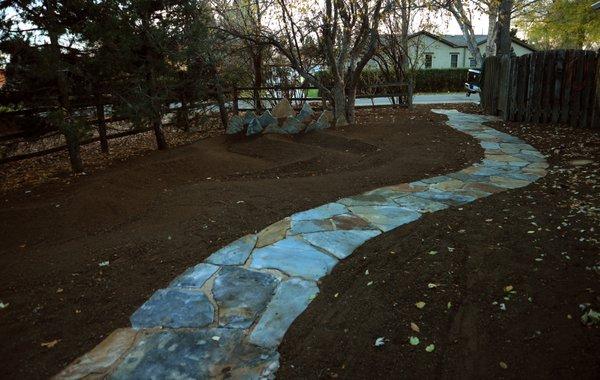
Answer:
[(454, 60), (472, 62), (428, 60)]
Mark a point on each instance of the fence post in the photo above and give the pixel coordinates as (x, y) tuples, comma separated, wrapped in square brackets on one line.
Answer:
[(503, 86)]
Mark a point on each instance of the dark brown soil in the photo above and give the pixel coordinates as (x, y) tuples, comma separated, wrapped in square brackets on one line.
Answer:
[(152, 217), (542, 240)]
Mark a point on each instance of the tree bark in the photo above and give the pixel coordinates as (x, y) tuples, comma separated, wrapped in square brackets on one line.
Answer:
[(505, 40), (101, 126), (161, 142), (68, 129), (458, 11), (340, 109), (490, 49), (258, 80), (351, 109), (74, 150)]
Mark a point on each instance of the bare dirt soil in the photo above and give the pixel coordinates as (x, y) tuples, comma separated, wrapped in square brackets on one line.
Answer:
[(505, 281), (79, 254)]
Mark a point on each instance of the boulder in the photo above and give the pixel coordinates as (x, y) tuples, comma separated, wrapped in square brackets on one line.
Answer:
[(236, 125), (306, 113), (266, 119), (283, 109), (248, 116), (254, 127), (323, 122), (292, 126)]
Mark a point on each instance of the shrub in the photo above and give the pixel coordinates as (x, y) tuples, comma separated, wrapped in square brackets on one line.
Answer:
[(431, 80), (440, 80)]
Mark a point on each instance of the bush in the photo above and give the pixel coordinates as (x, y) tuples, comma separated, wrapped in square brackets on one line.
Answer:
[(431, 80), (440, 80)]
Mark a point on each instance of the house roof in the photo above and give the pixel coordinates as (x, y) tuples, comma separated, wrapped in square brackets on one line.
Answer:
[(459, 41)]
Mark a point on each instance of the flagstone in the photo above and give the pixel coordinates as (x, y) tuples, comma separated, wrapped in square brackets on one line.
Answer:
[(241, 294), (235, 253), (419, 204), (174, 308), (101, 358), (273, 233), (322, 212), (340, 243), (191, 354), (385, 217), (194, 277), (295, 257), (290, 300)]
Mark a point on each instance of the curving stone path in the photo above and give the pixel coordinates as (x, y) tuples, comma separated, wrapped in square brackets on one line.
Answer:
[(226, 316)]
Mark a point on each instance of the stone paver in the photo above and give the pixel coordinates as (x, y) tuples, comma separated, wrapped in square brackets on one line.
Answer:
[(225, 318), (295, 257), (241, 294), (235, 253), (174, 308)]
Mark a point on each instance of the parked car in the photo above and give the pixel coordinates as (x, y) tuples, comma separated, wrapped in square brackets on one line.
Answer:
[(473, 85)]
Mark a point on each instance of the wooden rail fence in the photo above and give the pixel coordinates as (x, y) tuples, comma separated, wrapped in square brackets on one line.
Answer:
[(556, 86)]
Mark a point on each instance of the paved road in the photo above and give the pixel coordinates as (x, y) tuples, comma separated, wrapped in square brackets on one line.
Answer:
[(449, 97), (437, 98)]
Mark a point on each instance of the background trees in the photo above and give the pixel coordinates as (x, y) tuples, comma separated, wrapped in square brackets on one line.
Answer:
[(562, 24), (140, 56)]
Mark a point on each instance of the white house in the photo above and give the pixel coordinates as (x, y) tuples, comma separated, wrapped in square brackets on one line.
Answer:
[(430, 51)]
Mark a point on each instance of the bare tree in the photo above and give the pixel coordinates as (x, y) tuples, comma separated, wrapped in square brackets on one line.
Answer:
[(463, 15), (346, 32)]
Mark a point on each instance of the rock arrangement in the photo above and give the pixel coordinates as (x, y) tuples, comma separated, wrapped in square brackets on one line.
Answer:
[(225, 317), (281, 119)]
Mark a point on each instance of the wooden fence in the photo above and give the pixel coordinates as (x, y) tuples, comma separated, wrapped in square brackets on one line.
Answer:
[(557, 86), (399, 93)]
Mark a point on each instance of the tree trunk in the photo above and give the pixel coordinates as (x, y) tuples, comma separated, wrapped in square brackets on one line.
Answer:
[(161, 142), (257, 63), (490, 49), (183, 119), (350, 107), (458, 11), (68, 129), (339, 104), (101, 126), (74, 152), (505, 40), (221, 99)]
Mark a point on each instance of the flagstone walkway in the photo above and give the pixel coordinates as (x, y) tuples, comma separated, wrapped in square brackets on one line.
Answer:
[(225, 317)]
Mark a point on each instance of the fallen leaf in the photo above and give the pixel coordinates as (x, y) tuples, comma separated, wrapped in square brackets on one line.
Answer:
[(503, 365), (50, 344), (414, 327), (420, 304), (508, 288), (431, 285)]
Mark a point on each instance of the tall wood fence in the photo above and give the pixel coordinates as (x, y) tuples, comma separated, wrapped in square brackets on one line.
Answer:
[(556, 86)]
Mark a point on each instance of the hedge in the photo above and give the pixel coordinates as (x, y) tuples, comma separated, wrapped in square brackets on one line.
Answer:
[(431, 80), (440, 80)]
